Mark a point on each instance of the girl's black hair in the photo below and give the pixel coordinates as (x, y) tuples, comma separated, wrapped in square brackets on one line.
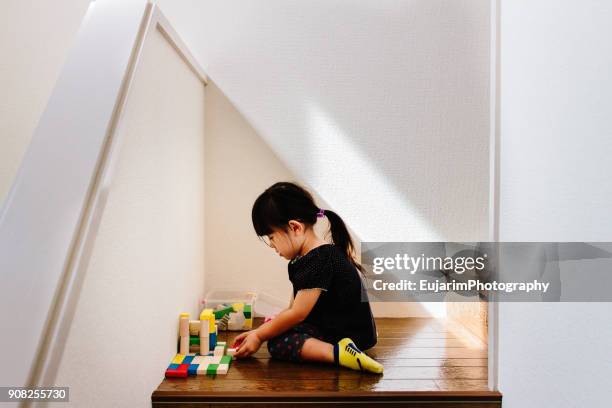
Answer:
[(285, 201)]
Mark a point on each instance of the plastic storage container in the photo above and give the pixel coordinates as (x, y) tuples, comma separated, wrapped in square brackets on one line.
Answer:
[(215, 298)]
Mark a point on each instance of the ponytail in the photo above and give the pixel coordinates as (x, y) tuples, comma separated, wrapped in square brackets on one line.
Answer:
[(342, 238)]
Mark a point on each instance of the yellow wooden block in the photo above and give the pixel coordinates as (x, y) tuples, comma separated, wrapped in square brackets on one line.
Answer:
[(178, 359), (207, 314), (238, 307), (248, 323), (194, 327)]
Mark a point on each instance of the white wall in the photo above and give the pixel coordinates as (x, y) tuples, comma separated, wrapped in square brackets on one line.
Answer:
[(381, 107), (35, 37), (239, 167), (147, 265), (556, 144)]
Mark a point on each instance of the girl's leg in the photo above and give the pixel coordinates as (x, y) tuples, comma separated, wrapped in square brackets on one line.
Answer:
[(344, 353), (317, 350), (304, 342)]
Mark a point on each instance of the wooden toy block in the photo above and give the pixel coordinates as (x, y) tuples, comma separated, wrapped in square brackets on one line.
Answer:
[(207, 314), (194, 340), (207, 360), (219, 351), (238, 307), (172, 372), (214, 359), (222, 368), (178, 359), (204, 345), (188, 359), (193, 369), (204, 313), (202, 369), (173, 366), (194, 348), (180, 371), (184, 345), (212, 369), (226, 360), (204, 336), (219, 313), (231, 352), (248, 324), (194, 327), (184, 325), (212, 342)]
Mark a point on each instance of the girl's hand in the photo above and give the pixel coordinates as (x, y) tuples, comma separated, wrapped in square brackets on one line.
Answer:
[(249, 343)]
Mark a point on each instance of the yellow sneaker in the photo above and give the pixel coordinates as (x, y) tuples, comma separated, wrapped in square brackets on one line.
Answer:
[(348, 355)]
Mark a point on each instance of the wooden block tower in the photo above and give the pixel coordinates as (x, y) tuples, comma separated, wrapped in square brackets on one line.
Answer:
[(209, 316), (184, 333)]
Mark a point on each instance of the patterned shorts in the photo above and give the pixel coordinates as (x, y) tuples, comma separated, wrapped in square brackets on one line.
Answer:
[(287, 345)]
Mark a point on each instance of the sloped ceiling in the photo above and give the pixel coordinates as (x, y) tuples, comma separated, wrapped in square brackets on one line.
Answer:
[(382, 107)]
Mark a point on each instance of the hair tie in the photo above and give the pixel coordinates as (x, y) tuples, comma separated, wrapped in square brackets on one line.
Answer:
[(321, 213)]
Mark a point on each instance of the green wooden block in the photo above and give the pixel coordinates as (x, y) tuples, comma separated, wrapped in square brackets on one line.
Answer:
[(193, 340), (247, 308), (247, 315), (222, 312), (226, 360), (212, 369)]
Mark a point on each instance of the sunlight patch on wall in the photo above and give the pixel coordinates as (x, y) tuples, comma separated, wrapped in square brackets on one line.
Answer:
[(372, 207), (349, 180)]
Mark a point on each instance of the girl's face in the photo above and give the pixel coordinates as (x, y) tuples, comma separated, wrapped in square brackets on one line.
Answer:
[(287, 243)]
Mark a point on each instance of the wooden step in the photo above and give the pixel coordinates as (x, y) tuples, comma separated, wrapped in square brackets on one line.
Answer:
[(426, 365)]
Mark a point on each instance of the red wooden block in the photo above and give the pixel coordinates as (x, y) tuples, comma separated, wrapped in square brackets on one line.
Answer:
[(181, 371)]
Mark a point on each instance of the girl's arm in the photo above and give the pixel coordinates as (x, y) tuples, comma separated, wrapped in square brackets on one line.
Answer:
[(303, 303), (300, 308)]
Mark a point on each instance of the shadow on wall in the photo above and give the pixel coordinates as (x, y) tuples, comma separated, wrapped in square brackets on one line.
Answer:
[(239, 166)]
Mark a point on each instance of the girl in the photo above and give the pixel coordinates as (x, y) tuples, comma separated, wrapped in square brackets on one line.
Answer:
[(327, 321)]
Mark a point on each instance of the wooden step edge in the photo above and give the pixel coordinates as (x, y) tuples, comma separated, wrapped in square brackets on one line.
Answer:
[(308, 396)]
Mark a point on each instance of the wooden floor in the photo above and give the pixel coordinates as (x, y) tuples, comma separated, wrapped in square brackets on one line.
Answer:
[(424, 359)]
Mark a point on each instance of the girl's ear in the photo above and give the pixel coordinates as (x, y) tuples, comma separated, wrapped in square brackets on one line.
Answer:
[(296, 226)]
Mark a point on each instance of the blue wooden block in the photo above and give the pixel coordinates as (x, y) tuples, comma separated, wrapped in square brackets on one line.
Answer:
[(213, 341), (173, 366), (188, 359), (193, 369)]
